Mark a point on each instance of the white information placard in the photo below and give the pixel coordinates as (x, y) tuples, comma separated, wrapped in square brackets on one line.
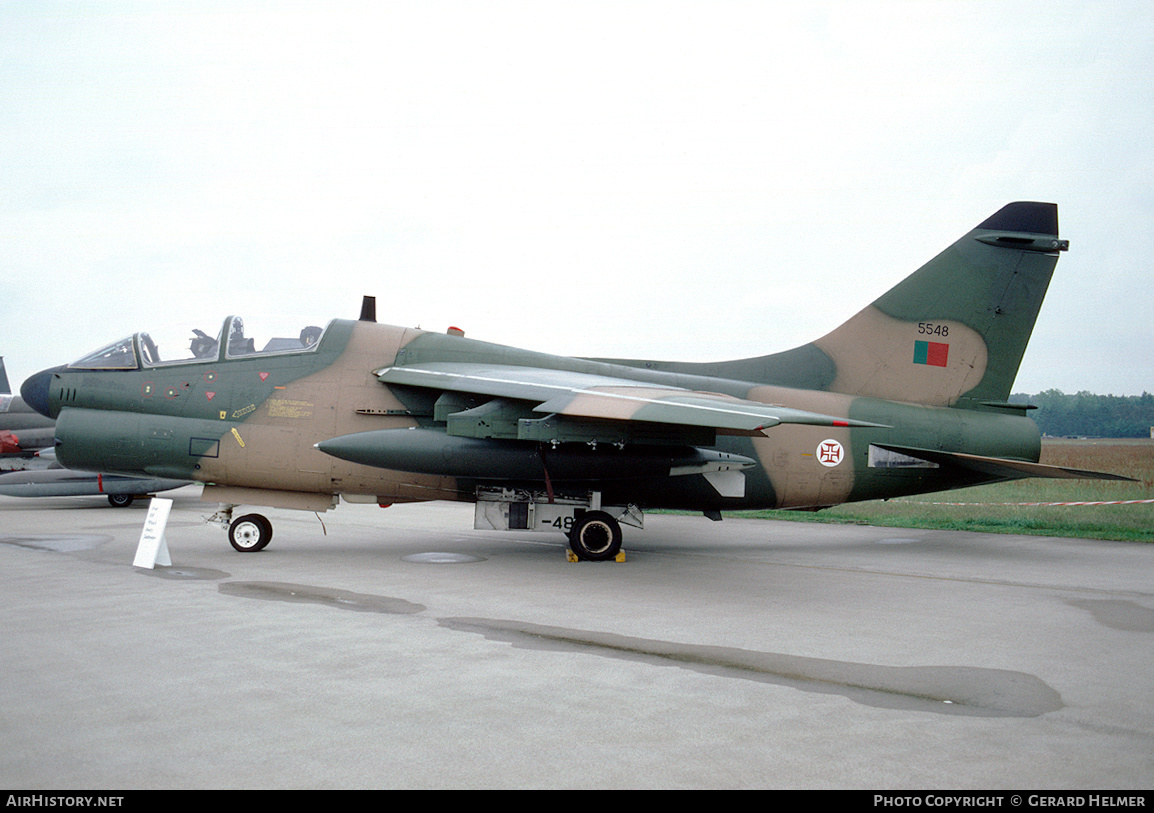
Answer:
[(152, 549)]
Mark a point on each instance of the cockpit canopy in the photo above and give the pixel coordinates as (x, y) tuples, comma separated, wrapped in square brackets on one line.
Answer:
[(177, 347)]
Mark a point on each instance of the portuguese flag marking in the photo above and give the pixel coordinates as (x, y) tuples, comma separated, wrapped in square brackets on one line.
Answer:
[(936, 354)]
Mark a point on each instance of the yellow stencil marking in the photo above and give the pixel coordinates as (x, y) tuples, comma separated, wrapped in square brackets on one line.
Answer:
[(236, 435)]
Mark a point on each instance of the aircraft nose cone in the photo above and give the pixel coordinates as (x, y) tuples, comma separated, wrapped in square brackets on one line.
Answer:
[(34, 391)]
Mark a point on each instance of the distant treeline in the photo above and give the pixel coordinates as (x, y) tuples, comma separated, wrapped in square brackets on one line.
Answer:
[(1090, 415)]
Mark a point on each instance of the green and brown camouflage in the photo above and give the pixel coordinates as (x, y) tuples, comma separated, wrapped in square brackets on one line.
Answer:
[(909, 396)]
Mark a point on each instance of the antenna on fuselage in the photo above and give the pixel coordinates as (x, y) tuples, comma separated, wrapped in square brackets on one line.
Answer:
[(369, 309)]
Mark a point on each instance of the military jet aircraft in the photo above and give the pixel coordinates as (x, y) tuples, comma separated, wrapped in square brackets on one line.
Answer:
[(23, 432), (56, 481), (908, 396)]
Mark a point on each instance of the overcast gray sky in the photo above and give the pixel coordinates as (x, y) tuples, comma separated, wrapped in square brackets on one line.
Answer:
[(689, 180)]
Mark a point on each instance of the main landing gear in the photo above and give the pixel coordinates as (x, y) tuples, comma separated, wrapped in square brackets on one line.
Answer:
[(595, 537), (593, 530)]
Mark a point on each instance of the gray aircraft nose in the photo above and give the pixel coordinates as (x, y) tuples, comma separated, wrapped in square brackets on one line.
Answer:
[(34, 391)]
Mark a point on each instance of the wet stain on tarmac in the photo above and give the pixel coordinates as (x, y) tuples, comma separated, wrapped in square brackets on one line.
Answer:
[(307, 594), (957, 690), (952, 690), (1120, 615), (58, 543), (191, 574), (438, 558)]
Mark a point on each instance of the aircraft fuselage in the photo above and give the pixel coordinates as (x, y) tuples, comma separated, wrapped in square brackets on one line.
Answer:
[(254, 423)]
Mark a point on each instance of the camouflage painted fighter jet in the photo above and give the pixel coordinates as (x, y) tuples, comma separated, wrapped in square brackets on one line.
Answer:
[(908, 396), (23, 432)]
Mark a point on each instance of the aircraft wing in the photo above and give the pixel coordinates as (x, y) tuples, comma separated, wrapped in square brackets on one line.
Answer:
[(585, 395)]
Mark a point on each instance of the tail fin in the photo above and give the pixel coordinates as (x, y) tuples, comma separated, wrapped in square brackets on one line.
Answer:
[(954, 332), (5, 389)]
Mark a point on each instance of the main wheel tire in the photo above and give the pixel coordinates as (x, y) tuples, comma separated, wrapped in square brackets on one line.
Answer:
[(596, 537), (120, 500), (250, 533)]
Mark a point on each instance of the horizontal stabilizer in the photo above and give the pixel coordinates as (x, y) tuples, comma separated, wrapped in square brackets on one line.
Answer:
[(1001, 467)]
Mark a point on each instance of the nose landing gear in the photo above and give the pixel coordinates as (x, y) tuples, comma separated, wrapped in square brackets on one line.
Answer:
[(250, 533)]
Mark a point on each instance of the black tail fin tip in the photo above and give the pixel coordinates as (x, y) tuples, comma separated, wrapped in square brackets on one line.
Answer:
[(1024, 216)]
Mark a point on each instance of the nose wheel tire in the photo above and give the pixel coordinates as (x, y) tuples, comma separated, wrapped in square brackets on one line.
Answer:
[(250, 533), (596, 537), (120, 500)]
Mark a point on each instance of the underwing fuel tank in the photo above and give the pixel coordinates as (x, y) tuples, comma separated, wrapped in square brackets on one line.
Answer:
[(429, 451)]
